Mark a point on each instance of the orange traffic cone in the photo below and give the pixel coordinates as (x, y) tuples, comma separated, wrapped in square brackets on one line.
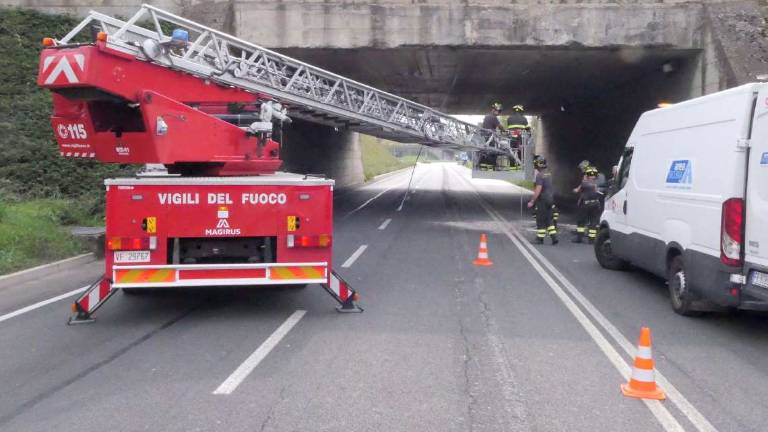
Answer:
[(642, 384), (482, 254)]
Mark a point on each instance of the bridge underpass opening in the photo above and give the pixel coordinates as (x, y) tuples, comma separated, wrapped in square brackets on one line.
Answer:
[(587, 99)]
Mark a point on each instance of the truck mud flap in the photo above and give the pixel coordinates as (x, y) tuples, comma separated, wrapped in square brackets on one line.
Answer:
[(96, 295), (340, 290)]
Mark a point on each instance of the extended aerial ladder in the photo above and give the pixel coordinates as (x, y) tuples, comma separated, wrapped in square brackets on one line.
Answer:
[(308, 92), (161, 89)]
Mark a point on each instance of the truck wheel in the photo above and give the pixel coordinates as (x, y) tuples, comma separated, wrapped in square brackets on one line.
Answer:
[(679, 288), (604, 253)]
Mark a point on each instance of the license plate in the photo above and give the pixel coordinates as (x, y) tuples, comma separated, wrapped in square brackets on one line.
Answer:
[(760, 279), (131, 256)]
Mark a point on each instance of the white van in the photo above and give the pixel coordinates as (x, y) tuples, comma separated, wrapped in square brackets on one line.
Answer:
[(690, 201)]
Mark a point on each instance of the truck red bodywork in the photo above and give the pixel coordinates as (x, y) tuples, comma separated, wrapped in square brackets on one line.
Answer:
[(108, 105), (221, 215), (180, 231)]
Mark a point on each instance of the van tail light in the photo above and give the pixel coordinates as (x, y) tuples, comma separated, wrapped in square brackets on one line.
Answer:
[(309, 241), (132, 243), (732, 232)]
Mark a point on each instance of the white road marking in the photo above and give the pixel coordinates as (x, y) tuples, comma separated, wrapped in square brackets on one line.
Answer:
[(41, 304), (383, 226), (694, 415), (241, 373), (363, 205), (659, 411), (351, 260), (400, 207)]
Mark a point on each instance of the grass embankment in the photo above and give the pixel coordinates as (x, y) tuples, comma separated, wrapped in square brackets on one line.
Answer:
[(40, 192), (378, 160), (34, 232)]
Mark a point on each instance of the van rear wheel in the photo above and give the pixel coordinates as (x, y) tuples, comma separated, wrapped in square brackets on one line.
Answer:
[(604, 252), (679, 288)]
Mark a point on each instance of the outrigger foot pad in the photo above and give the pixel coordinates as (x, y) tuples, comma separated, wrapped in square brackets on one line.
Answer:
[(91, 299), (343, 293)]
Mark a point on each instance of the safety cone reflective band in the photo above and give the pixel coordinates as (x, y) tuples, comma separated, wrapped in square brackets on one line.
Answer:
[(482, 253), (642, 384), (343, 293)]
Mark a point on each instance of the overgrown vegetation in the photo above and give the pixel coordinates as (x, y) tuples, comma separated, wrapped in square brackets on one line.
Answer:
[(30, 165), (31, 232), (377, 159), (39, 190)]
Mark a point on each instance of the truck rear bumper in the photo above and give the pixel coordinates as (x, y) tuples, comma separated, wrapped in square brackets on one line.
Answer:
[(161, 276)]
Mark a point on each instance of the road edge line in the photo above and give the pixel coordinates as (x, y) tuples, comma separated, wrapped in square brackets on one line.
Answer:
[(662, 414), (659, 411), (42, 303), (683, 404)]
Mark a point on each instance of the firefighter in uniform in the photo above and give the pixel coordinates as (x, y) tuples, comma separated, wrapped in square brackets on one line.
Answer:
[(555, 210), (517, 125), (543, 198), (589, 206), (583, 165)]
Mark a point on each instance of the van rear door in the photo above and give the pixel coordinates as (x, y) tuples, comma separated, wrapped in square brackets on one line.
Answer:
[(756, 229)]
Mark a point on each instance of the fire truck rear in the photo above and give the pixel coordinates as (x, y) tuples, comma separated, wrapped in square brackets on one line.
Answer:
[(186, 231), (216, 213)]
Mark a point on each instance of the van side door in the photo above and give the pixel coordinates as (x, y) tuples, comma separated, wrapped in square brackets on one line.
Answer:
[(617, 206), (756, 213)]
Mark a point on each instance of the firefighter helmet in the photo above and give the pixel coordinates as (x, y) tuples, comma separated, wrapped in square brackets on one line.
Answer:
[(540, 162), (497, 106), (591, 171), (518, 108)]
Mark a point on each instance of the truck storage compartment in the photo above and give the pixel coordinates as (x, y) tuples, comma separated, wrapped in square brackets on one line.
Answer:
[(204, 250)]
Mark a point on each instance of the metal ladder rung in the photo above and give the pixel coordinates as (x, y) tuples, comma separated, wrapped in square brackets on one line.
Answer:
[(319, 94)]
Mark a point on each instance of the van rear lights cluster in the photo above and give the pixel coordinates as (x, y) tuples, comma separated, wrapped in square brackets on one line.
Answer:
[(732, 232), (132, 243), (309, 241)]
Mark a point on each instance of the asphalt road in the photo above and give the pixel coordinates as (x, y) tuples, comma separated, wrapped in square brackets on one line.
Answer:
[(539, 341)]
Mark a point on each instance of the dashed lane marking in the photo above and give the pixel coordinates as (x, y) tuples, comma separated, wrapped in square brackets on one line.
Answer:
[(351, 260), (383, 226), (241, 373)]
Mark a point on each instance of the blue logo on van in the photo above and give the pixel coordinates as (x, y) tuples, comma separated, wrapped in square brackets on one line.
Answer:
[(764, 159), (680, 173)]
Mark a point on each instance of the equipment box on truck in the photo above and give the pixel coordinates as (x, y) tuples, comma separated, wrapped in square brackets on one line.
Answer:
[(690, 201)]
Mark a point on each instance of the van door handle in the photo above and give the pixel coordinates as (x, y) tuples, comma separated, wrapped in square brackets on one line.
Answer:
[(625, 206)]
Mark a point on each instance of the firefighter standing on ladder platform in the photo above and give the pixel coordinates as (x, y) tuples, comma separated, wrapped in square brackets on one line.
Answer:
[(543, 198)]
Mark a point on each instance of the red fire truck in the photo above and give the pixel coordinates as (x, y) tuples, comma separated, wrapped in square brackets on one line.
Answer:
[(202, 105)]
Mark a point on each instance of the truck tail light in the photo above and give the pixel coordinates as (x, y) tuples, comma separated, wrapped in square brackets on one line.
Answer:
[(309, 241), (732, 232), (132, 243)]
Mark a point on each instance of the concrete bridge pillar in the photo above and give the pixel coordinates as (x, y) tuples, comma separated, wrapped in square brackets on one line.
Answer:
[(310, 148)]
